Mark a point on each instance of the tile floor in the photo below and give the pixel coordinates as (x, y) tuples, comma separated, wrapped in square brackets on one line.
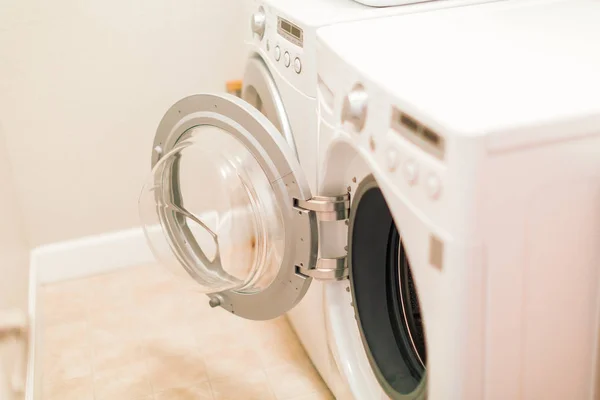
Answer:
[(136, 334)]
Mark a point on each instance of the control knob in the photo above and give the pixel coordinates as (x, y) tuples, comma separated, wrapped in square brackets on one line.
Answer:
[(259, 22), (354, 109)]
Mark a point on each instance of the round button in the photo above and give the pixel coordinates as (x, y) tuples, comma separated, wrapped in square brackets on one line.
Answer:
[(277, 53), (297, 65), (286, 59), (434, 186), (392, 159), (411, 172)]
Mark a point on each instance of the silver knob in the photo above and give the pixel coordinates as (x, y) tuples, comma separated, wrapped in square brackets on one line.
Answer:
[(354, 109), (258, 22)]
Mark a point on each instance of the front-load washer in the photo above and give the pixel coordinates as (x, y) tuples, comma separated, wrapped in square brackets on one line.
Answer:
[(281, 81), (231, 202), (471, 150)]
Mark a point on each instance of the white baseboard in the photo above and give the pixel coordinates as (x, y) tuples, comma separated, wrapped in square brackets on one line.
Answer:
[(72, 259), (90, 255)]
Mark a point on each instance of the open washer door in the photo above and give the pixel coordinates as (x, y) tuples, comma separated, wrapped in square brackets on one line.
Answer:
[(220, 207)]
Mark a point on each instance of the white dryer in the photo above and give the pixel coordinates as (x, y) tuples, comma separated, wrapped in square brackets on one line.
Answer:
[(470, 144)]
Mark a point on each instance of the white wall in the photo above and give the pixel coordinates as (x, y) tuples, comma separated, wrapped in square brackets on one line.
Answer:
[(14, 250), (83, 85), (14, 258)]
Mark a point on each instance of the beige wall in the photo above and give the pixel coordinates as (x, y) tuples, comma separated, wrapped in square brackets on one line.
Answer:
[(14, 250), (14, 261), (83, 85)]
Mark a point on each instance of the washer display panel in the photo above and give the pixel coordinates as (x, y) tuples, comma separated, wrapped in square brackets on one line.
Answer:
[(219, 208)]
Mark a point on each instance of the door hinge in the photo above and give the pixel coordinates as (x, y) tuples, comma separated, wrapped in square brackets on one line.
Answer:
[(327, 269), (336, 208), (327, 209)]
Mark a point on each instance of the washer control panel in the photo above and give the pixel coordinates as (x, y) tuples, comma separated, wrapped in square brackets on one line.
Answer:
[(290, 31), (426, 167), (408, 151), (283, 40), (418, 133), (287, 55), (284, 44)]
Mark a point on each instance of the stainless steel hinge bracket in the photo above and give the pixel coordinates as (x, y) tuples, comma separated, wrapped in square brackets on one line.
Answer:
[(327, 209), (336, 208), (327, 269)]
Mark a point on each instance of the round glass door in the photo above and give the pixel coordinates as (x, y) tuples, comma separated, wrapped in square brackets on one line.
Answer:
[(217, 218), (219, 206)]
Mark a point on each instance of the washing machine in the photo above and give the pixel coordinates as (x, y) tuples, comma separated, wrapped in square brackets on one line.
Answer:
[(470, 147), (232, 199), (282, 70)]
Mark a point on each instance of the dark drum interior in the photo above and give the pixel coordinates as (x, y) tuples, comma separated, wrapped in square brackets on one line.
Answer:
[(385, 298)]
